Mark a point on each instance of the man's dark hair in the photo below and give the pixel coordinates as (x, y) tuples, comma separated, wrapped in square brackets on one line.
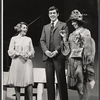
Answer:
[(53, 8)]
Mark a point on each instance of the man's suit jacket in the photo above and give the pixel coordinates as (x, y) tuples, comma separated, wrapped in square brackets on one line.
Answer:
[(45, 38)]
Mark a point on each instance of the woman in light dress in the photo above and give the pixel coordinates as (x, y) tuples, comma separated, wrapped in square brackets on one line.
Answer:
[(21, 70), (81, 57)]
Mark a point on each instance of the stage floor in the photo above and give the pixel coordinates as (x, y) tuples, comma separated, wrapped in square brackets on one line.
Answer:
[(73, 95)]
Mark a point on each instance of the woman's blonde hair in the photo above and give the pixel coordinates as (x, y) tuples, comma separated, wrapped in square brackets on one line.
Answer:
[(19, 25)]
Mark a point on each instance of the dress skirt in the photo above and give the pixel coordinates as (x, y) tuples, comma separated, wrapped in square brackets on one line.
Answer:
[(21, 72), (72, 67)]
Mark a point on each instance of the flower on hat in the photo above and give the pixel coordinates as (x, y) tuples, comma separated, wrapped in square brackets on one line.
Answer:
[(76, 15)]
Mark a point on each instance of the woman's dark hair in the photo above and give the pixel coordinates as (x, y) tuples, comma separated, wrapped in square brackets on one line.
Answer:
[(80, 23), (53, 8)]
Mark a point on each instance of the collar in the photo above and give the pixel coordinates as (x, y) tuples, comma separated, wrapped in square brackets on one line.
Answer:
[(79, 29), (55, 22)]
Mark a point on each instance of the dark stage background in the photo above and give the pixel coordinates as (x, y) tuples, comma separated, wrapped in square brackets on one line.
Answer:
[(15, 11)]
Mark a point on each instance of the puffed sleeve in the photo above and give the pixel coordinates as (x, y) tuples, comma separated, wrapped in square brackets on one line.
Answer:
[(86, 33), (11, 51), (31, 49)]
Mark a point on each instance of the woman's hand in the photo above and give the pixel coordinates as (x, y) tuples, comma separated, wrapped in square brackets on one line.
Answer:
[(13, 54), (63, 34), (17, 53), (24, 56)]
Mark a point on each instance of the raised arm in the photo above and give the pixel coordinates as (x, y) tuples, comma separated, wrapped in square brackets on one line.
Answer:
[(65, 30), (65, 49)]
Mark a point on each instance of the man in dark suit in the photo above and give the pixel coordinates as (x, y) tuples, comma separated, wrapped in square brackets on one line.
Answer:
[(54, 60)]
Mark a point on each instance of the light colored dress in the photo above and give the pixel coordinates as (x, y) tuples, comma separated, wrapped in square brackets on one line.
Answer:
[(21, 70)]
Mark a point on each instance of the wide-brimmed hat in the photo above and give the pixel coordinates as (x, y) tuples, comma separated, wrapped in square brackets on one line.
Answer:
[(76, 15)]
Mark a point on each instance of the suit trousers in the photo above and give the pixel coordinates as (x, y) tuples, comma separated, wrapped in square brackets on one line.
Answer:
[(58, 66)]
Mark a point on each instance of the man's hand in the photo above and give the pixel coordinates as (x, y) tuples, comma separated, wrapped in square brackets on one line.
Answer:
[(54, 53), (48, 53)]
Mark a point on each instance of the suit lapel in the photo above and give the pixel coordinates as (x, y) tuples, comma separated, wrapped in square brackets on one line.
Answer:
[(57, 24), (48, 33), (48, 30)]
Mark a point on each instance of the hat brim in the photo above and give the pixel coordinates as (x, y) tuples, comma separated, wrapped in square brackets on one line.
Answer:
[(75, 20)]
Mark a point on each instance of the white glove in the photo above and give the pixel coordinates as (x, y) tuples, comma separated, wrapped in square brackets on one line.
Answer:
[(92, 83)]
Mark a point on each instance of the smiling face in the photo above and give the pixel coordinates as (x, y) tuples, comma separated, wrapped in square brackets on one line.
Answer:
[(53, 15), (24, 29), (75, 24)]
